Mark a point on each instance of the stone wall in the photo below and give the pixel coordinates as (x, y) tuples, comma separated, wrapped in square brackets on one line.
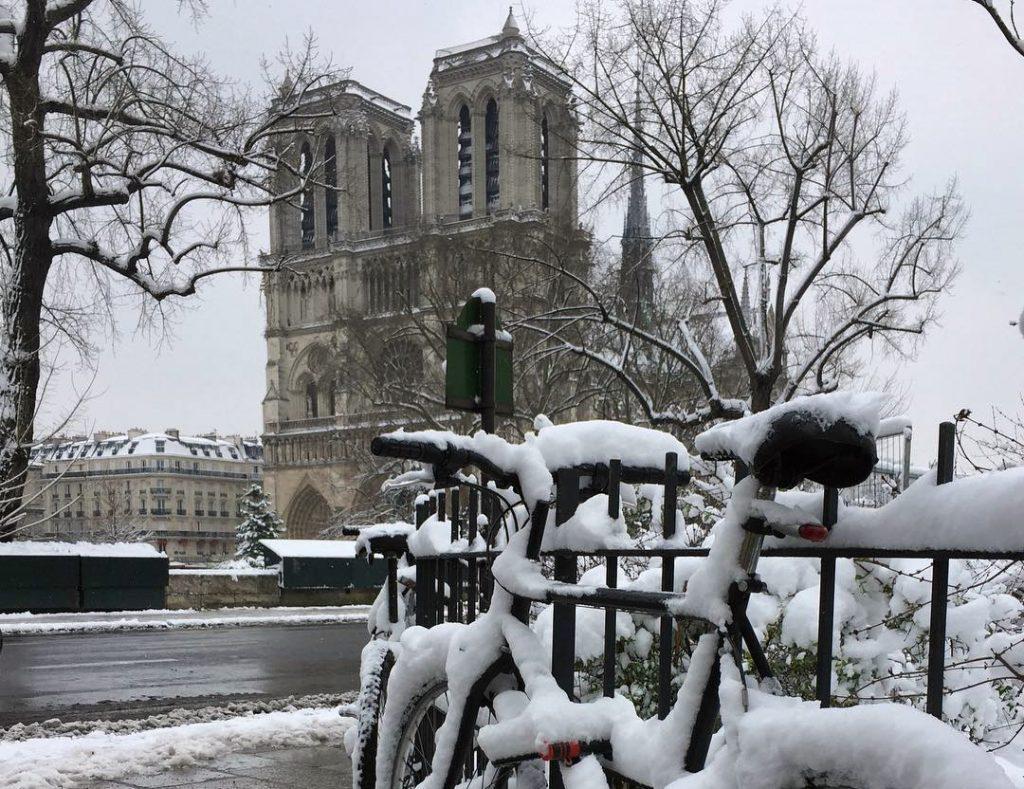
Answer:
[(218, 589), (191, 589)]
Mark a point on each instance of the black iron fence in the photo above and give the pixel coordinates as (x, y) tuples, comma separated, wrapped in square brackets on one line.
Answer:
[(456, 586)]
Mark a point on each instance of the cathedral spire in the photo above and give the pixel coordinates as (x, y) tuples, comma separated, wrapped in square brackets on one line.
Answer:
[(510, 28), (636, 274)]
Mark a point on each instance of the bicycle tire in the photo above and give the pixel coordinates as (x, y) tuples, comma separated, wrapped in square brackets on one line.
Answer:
[(414, 755), (372, 699)]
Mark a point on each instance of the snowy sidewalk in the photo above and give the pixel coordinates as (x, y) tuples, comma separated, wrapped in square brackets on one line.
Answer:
[(321, 767), (285, 748), (43, 624)]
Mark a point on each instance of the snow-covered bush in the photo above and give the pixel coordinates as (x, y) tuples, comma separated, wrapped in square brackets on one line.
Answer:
[(259, 522), (880, 649)]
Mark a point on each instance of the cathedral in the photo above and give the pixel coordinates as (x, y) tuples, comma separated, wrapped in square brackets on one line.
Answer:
[(367, 244)]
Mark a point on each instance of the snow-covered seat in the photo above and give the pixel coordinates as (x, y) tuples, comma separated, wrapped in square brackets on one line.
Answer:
[(828, 439)]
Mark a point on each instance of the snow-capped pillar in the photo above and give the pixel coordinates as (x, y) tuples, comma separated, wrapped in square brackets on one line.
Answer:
[(940, 585)]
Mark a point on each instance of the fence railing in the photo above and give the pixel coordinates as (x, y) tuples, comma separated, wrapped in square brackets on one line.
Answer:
[(457, 586)]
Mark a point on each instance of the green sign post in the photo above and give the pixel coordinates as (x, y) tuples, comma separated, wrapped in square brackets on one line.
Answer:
[(478, 369)]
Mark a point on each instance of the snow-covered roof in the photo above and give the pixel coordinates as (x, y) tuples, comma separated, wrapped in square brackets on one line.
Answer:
[(149, 444), (47, 548), (310, 549)]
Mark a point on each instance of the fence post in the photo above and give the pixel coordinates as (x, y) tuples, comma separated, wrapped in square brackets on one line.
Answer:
[(563, 624), (668, 567), (473, 565), (563, 641), (826, 603), (454, 565), (425, 575), (611, 580), (940, 585)]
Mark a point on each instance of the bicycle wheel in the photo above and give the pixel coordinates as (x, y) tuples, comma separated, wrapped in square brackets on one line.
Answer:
[(372, 698), (417, 748)]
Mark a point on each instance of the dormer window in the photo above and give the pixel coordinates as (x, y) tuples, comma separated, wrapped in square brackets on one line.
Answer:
[(160, 445)]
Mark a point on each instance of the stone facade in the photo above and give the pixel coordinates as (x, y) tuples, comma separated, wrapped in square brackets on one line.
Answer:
[(179, 493), (385, 229)]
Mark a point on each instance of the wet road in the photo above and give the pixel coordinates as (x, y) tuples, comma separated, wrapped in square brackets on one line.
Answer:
[(133, 673)]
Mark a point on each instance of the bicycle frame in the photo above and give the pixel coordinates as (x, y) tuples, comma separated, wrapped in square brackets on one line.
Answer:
[(738, 632)]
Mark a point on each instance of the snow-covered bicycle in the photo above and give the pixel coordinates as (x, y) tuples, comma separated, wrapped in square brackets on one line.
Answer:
[(477, 705)]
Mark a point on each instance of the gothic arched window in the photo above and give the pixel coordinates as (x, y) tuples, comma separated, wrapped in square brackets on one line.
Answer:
[(385, 187), (491, 153), (308, 218), (312, 406), (545, 163), (331, 182), (332, 398), (465, 173)]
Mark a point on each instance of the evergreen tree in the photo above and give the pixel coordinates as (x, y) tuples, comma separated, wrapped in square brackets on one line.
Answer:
[(259, 522)]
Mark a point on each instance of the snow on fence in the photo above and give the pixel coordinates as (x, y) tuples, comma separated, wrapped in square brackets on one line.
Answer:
[(454, 582)]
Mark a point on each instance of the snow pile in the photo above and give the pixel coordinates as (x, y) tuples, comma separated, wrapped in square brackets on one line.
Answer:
[(70, 761), (782, 742), (47, 548), (601, 440), (742, 437), (589, 623), (55, 727), (52, 624), (589, 529), (312, 549), (979, 513)]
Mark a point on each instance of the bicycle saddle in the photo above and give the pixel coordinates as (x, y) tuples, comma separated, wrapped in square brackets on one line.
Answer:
[(784, 448)]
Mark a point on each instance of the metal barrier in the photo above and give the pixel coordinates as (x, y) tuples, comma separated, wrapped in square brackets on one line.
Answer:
[(457, 586)]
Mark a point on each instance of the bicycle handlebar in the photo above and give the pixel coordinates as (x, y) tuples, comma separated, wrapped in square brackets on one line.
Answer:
[(449, 458)]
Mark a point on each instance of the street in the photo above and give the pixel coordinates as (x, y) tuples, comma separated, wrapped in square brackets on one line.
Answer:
[(139, 673)]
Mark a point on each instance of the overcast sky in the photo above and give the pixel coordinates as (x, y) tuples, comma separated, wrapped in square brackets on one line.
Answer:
[(959, 83)]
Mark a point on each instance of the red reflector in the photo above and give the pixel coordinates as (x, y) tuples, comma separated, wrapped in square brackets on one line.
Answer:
[(562, 751), (813, 532)]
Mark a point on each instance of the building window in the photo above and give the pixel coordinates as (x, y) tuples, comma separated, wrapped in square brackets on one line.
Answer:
[(311, 400), (465, 141), (491, 154), (545, 163), (160, 445), (331, 183), (385, 187), (306, 212)]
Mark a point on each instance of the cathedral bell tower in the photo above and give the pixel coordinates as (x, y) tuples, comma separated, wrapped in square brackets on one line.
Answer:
[(498, 132)]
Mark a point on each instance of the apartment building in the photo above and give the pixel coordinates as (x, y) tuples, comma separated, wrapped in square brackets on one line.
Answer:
[(179, 493)]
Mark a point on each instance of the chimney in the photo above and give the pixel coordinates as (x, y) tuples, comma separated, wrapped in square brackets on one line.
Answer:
[(172, 432), (135, 432)]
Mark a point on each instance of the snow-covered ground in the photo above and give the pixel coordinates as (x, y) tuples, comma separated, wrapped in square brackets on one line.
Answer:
[(79, 761), (163, 619)]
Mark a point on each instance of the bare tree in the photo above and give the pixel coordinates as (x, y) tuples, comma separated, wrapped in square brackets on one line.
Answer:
[(1004, 15), (126, 158), (781, 161)]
